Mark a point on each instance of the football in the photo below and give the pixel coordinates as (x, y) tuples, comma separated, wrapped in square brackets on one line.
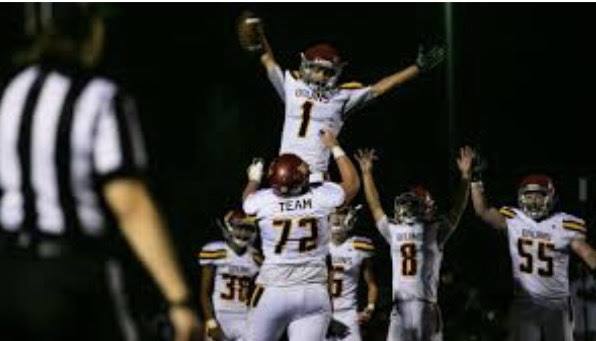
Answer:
[(249, 32)]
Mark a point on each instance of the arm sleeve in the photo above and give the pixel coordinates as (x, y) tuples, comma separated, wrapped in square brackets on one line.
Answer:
[(575, 228), (330, 195), (357, 99), (276, 77), (211, 253), (383, 227), (118, 149), (251, 203)]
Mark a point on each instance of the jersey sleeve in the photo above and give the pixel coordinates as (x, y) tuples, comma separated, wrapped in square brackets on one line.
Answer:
[(118, 149), (252, 203), (574, 227), (507, 212), (364, 245), (211, 253), (330, 194), (383, 227), (358, 95), (277, 79)]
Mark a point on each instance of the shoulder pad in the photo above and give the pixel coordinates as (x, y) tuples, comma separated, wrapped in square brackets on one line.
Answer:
[(508, 212), (213, 251), (574, 224), (351, 85), (362, 244)]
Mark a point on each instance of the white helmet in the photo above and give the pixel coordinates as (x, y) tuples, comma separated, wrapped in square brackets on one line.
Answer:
[(343, 219), (238, 228), (323, 56)]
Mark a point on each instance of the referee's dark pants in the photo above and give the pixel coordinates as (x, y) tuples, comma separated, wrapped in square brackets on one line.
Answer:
[(53, 290)]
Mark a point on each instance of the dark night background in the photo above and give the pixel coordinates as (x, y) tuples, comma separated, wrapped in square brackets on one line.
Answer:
[(523, 82)]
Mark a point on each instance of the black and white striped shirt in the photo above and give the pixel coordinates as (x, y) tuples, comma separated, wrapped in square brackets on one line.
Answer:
[(61, 136)]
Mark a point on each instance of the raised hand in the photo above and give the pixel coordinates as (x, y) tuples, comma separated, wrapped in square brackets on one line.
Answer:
[(365, 158), (465, 161)]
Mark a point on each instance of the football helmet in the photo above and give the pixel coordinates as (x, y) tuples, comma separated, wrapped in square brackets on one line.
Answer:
[(238, 228), (343, 219), (321, 67), (288, 175), (414, 205), (536, 195)]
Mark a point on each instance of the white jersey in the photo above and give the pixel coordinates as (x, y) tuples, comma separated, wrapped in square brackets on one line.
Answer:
[(540, 252), (347, 261), (307, 112), (294, 233), (416, 258), (233, 275)]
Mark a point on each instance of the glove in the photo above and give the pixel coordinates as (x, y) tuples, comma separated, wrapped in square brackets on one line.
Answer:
[(429, 60), (255, 170), (337, 329)]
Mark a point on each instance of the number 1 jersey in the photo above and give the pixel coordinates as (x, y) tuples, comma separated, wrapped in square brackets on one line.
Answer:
[(540, 252), (307, 112)]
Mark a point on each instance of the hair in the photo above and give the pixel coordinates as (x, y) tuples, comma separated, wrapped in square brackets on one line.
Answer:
[(65, 38)]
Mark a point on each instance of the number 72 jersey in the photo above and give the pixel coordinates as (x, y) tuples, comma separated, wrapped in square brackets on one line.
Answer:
[(307, 112), (540, 252)]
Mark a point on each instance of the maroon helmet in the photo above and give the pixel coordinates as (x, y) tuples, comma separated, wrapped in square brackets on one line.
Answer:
[(536, 195), (288, 175)]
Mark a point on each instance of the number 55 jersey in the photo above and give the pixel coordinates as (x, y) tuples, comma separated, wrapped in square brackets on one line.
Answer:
[(540, 252)]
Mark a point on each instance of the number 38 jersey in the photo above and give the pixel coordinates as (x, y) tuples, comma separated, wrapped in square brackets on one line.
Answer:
[(233, 275), (307, 112), (347, 261), (294, 233), (416, 258), (540, 252)]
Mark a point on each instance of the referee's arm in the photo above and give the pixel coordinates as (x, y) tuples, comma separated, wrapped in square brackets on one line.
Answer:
[(119, 159)]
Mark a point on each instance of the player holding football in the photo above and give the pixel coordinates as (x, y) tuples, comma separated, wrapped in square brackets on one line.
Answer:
[(293, 217), (313, 99), (417, 236), (350, 257), (228, 270), (539, 244)]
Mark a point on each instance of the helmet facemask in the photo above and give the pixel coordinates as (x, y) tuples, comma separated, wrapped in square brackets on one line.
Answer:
[(535, 201), (342, 221), (320, 75), (238, 232), (408, 208)]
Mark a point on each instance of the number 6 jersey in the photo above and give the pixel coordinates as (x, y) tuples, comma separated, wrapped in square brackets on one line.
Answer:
[(540, 252), (307, 112), (294, 233), (416, 258), (233, 275)]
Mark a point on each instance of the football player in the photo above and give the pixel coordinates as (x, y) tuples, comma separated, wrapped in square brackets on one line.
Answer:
[(417, 236), (228, 269), (293, 216), (539, 243), (350, 256), (312, 96)]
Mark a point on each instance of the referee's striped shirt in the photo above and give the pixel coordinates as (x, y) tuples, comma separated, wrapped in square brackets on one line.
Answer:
[(62, 135)]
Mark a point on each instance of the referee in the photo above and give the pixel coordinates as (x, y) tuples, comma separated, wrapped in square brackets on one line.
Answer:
[(71, 169)]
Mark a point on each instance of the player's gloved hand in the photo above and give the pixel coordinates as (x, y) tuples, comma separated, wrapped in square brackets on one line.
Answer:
[(337, 329), (214, 331), (426, 61), (255, 170)]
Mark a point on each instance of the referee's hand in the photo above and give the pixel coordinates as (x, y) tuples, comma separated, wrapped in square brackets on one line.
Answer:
[(186, 325)]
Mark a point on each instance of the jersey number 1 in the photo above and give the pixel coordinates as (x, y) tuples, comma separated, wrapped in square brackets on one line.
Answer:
[(306, 109)]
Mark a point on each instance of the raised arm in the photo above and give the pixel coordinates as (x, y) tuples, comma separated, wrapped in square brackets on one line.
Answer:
[(207, 281), (461, 195), (585, 252), (255, 173), (373, 291), (350, 182), (489, 215), (365, 159), (424, 63)]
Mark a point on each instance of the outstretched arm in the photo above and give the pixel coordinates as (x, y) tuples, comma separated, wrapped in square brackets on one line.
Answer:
[(585, 252), (350, 182), (366, 158), (461, 195)]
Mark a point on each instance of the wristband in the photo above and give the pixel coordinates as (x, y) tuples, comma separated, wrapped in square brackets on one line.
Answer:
[(211, 324), (337, 152), (181, 303), (370, 307)]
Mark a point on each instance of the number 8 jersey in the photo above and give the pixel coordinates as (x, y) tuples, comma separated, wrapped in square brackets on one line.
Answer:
[(294, 233), (307, 112), (540, 252), (416, 258)]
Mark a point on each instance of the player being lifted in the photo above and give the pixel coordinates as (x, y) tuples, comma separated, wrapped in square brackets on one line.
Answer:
[(228, 269), (313, 99), (539, 244), (293, 218), (350, 257), (416, 235)]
